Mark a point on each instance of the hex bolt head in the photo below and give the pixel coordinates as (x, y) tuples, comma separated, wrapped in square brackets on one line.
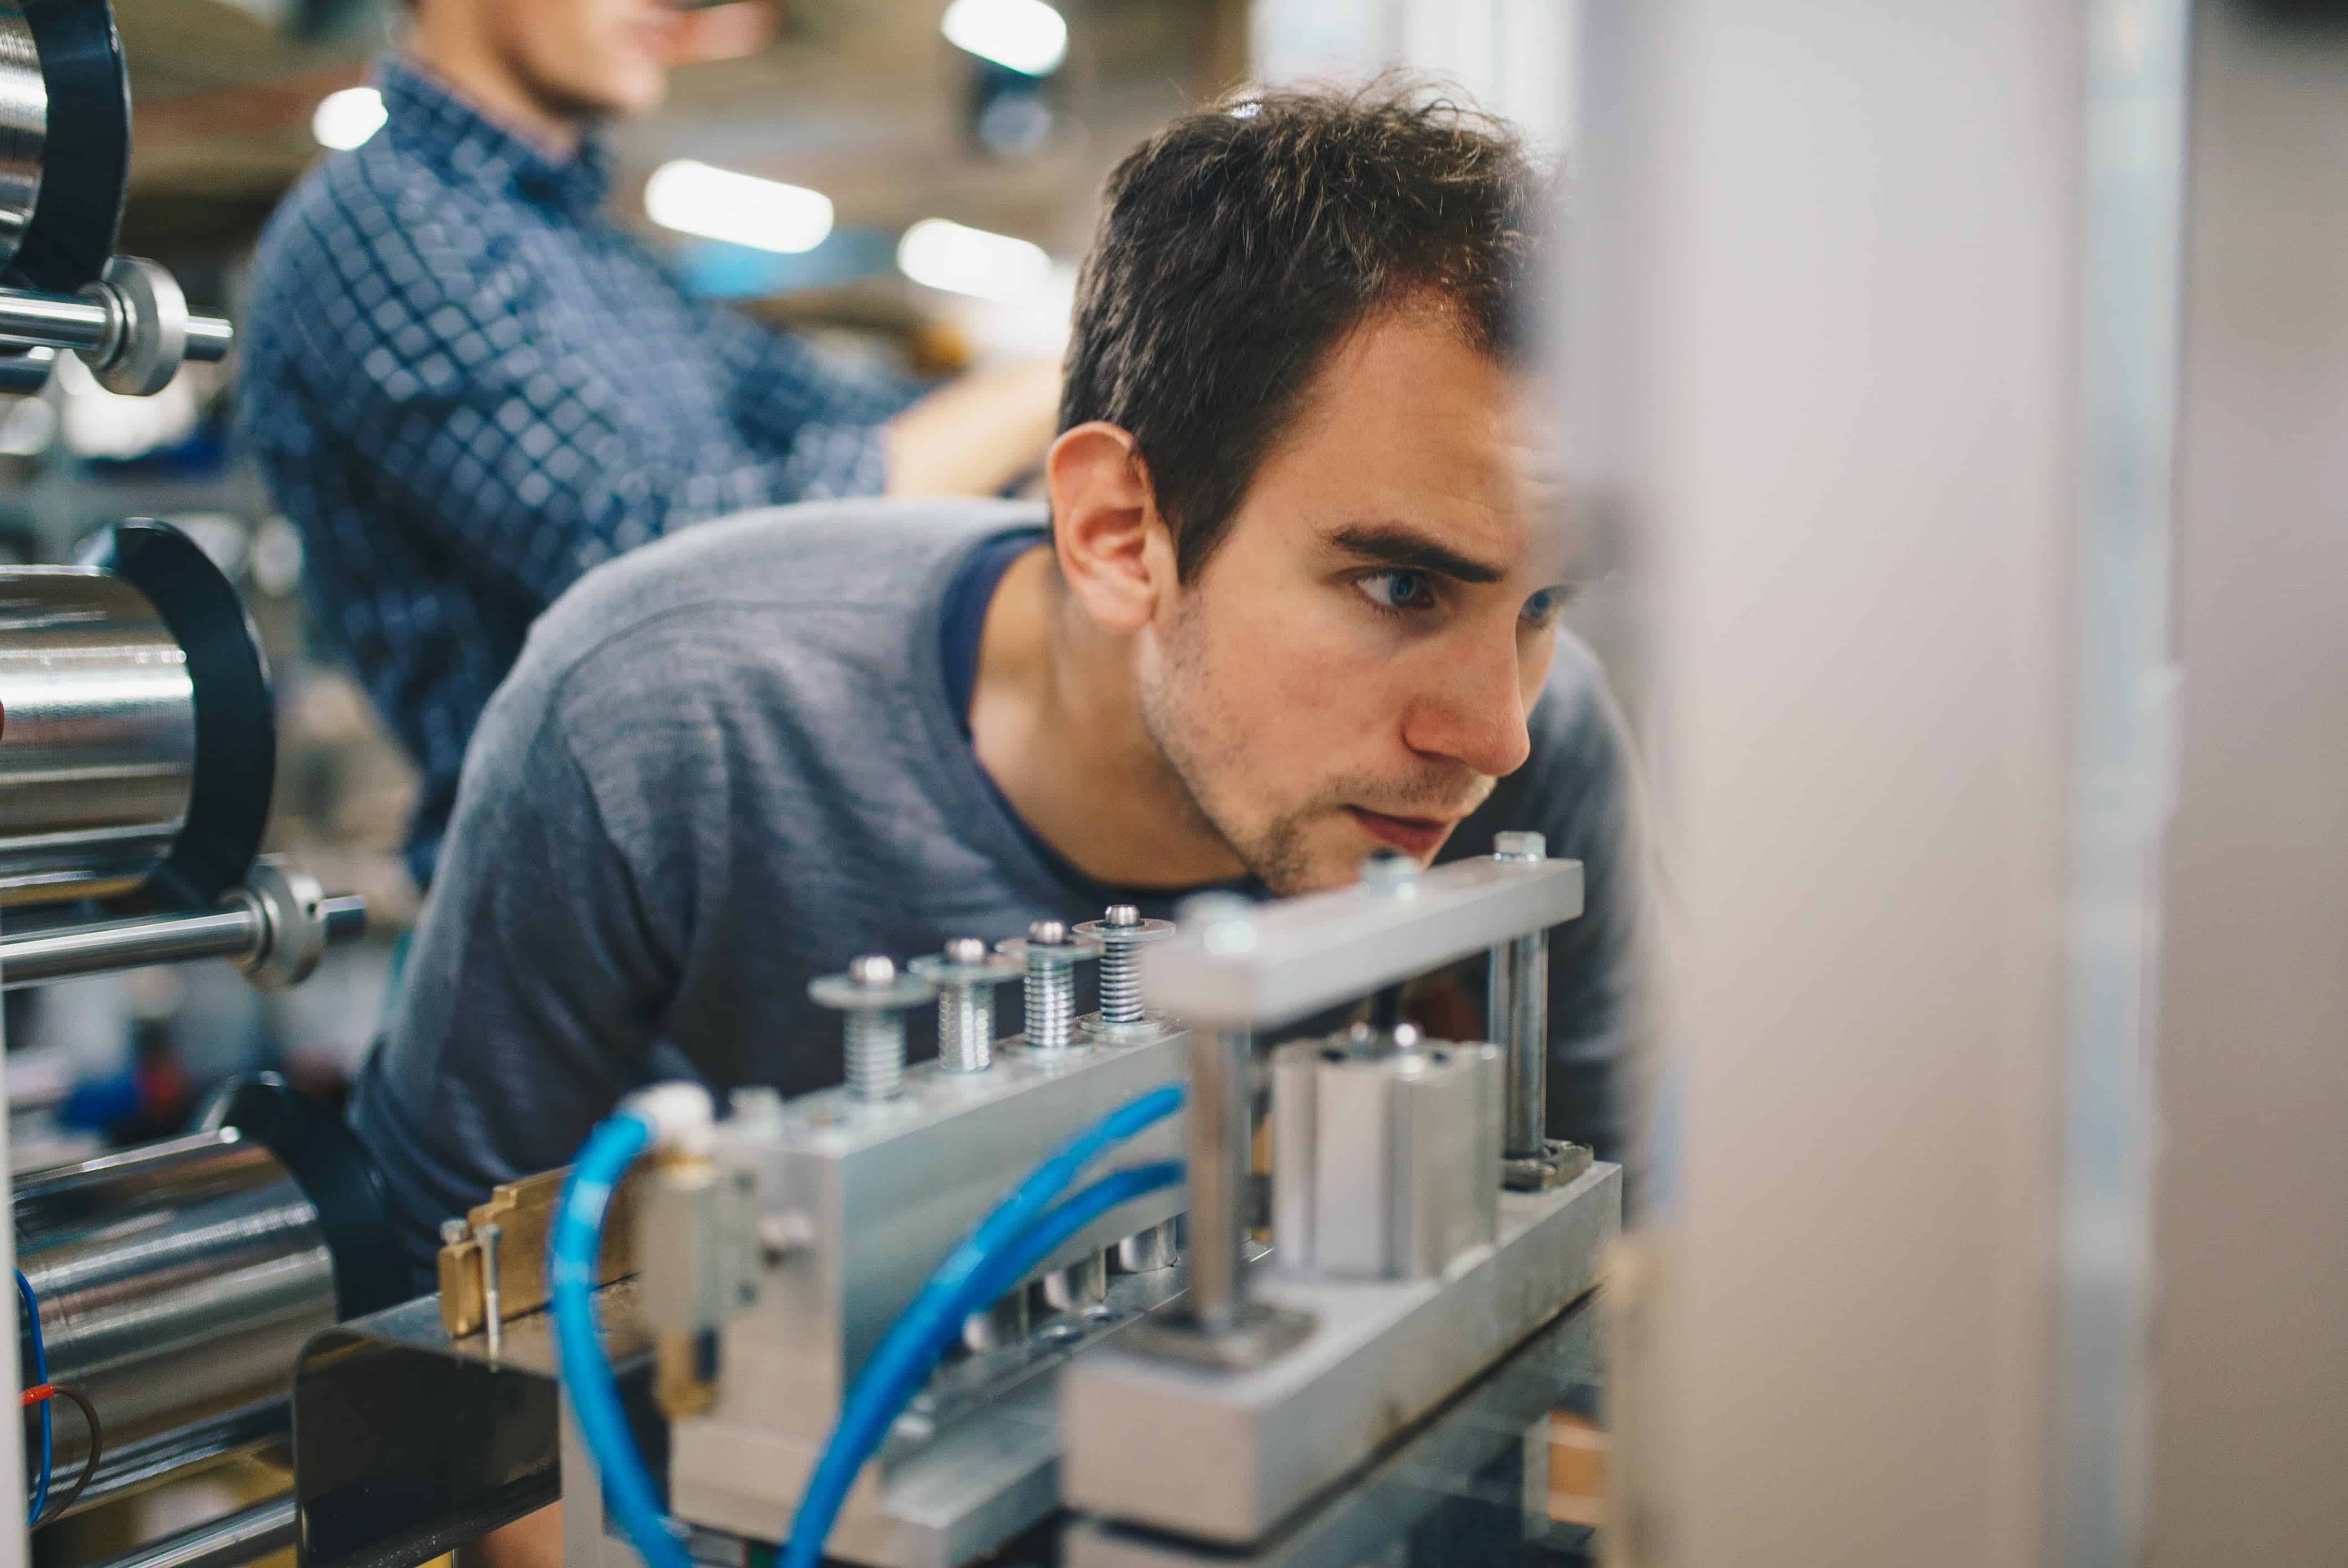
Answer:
[(873, 969), (965, 950), (453, 1230), (1519, 847), (1390, 876), (1048, 933), (1121, 916)]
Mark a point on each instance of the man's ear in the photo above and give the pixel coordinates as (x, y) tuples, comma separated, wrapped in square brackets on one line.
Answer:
[(1116, 553)]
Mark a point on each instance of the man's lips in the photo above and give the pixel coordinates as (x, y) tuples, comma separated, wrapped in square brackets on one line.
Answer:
[(1414, 835)]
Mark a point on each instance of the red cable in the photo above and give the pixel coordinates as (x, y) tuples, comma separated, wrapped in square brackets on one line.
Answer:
[(36, 1393)]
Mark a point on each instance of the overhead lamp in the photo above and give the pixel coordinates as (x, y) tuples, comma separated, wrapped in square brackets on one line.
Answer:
[(346, 119), (721, 204), (1024, 36), (952, 256)]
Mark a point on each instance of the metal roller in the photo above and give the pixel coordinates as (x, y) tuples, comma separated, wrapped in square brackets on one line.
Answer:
[(177, 1285), (137, 741), (179, 1282), (98, 735)]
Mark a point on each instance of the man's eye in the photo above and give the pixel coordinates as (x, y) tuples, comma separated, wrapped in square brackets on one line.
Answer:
[(1398, 589), (1544, 607)]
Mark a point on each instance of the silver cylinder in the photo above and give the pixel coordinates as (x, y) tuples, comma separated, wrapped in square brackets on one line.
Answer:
[(1516, 1010), (1387, 1161), (1217, 1175), (1519, 1008), (98, 735), (35, 957), (177, 1285)]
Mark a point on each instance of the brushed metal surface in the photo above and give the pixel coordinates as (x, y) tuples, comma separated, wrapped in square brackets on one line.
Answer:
[(1399, 1499), (1228, 1456), (23, 126), (98, 735), (177, 1283)]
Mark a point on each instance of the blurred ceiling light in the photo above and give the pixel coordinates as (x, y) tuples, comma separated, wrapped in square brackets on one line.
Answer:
[(765, 214), (1026, 35), (346, 119), (964, 260)]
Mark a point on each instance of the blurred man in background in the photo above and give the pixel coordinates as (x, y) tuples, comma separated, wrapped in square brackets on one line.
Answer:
[(467, 386)]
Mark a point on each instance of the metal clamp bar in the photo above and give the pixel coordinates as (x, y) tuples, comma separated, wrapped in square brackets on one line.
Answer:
[(1298, 956)]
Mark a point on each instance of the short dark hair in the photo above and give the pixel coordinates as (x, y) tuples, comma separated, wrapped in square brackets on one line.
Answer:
[(1240, 245)]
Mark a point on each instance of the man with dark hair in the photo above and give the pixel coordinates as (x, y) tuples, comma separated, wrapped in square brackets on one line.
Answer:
[(467, 386), (1295, 601)]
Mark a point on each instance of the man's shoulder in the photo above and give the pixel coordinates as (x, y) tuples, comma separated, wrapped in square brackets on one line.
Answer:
[(778, 585)]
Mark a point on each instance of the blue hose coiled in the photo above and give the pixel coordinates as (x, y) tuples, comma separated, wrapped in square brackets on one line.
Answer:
[(1021, 1232)]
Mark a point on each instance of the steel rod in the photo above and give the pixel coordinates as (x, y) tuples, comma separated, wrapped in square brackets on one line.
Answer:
[(65, 320), (42, 956), (238, 1538), (1520, 1015), (1218, 1176), (238, 931)]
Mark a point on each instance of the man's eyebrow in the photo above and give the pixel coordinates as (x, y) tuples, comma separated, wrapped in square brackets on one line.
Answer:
[(1397, 545)]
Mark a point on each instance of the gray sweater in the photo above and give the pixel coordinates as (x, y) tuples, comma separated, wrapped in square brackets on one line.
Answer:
[(727, 763)]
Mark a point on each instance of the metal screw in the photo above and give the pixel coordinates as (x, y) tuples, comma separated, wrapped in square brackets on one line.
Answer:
[(1390, 876), (1520, 847), (1051, 955), (966, 975), (453, 1231), (874, 996), (1122, 933)]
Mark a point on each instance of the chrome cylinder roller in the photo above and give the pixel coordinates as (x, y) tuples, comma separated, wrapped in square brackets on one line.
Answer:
[(136, 737), (176, 1283)]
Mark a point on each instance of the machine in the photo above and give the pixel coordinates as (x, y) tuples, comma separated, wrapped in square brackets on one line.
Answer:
[(163, 1292), (866, 1323)]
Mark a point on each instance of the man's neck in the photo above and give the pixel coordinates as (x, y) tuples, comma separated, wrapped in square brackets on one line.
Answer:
[(1056, 719), (467, 62)]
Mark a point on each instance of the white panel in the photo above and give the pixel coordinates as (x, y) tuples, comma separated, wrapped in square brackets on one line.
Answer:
[(1828, 286)]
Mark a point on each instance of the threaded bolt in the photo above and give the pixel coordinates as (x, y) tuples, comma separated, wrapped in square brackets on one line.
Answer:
[(874, 996), (1051, 988), (1120, 978), (1122, 933), (966, 974)]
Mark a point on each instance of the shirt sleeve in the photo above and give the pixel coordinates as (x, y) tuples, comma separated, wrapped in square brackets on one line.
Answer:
[(418, 351), (793, 396)]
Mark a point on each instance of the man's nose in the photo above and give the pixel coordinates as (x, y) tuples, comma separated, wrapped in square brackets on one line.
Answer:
[(1472, 710)]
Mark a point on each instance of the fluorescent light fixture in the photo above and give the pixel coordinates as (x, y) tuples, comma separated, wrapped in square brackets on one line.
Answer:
[(1026, 35), (963, 261), (765, 214), (346, 119)]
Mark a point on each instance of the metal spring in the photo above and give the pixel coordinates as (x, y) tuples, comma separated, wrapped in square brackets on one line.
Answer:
[(1051, 1005), (966, 1027), (1121, 983), (876, 1053)]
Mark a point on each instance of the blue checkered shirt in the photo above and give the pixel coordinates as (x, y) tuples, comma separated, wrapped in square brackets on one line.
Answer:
[(466, 386)]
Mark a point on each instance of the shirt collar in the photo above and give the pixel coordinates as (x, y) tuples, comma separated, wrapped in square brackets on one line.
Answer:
[(426, 116)]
